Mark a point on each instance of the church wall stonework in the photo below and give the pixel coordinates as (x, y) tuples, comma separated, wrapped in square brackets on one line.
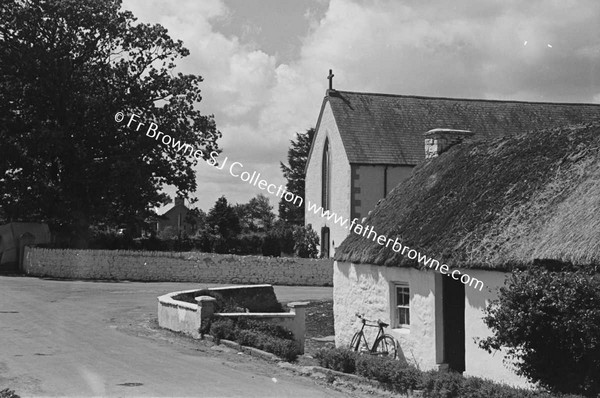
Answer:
[(176, 267), (340, 180)]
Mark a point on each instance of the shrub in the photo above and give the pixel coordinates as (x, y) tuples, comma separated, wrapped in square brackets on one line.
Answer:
[(6, 393), (306, 242), (340, 359), (266, 328), (549, 320), (222, 329), (397, 375), (271, 246), (442, 384), (283, 348), (247, 337), (251, 333)]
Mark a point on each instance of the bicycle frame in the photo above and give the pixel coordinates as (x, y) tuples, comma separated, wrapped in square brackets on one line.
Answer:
[(364, 338)]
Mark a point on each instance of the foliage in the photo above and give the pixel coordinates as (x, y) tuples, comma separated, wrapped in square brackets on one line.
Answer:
[(224, 219), (295, 176), (271, 246), (222, 329), (285, 235), (400, 377), (7, 393), (339, 359), (550, 323), (397, 375), (306, 242), (167, 233), (196, 218), (283, 348), (256, 215), (67, 67), (266, 328), (262, 335), (302, 241), (442, 384)]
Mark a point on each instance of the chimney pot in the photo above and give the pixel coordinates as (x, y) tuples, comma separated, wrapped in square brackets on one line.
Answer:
[(438, 141), (179, 200)]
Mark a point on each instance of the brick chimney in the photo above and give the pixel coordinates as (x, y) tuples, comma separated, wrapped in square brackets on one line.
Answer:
[(438, 141), (179, 201)]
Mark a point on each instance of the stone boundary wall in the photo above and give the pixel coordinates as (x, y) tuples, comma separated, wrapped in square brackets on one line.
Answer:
[(176, 267)]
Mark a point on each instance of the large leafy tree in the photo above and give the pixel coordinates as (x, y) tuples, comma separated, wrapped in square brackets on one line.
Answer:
[(295, 176), (66, 68), (256, 215), (549, 323)]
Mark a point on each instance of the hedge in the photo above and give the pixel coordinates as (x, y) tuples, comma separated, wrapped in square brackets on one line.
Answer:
[(400, 377), (262, 335)]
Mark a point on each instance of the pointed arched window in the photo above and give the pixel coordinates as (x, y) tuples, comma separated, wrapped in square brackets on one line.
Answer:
[(326, 177)]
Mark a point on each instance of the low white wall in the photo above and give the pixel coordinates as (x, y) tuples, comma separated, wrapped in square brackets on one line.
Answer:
[(176, 267), (180, 316)]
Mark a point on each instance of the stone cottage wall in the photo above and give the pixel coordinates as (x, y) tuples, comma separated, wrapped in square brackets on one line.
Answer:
[(176, 267)]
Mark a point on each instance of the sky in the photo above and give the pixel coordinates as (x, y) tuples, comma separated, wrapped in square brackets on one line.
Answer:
[(265, 63)]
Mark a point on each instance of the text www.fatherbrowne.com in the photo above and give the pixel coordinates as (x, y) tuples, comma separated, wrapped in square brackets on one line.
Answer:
[(236, 170)]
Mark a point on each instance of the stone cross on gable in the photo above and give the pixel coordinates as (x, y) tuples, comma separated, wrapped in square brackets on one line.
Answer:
[(330, 77)]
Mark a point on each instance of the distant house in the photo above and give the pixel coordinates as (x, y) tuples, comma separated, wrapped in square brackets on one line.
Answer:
[(175, 217), (483, 208), (365, 144), (13, 236)]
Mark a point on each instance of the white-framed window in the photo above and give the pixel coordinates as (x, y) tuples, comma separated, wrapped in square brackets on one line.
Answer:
[(401, 304)]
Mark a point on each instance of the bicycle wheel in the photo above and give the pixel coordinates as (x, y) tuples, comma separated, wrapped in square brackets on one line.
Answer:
[(385, 346), (355, 341)]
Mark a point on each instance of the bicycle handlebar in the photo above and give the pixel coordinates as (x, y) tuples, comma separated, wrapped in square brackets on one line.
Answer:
[(365, 320)]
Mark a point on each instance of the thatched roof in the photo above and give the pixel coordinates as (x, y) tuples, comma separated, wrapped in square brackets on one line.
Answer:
[(387, 129), (495, 204)]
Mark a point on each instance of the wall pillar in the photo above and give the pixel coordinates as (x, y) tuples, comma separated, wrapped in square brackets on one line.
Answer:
[(206, 309), (299, 329)]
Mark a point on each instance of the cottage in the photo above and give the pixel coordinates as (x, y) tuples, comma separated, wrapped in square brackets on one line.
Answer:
[(484, 208), (366, 144), (176, 218)]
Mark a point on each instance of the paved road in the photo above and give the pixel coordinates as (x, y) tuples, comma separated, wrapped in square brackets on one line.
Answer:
[(76, 338)]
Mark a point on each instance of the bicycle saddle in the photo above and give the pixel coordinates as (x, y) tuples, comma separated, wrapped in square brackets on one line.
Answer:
[(383, 324)]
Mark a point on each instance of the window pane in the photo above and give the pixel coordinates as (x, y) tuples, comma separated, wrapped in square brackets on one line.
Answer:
[(403, 316), (402, 295)]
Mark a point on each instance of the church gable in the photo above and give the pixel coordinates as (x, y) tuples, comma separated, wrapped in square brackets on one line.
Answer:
[(336, 173)]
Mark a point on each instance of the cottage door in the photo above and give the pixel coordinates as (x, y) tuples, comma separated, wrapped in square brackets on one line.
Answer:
[(453, 296)]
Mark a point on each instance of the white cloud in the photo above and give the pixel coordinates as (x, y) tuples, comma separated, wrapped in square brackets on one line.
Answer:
[(458, 49)]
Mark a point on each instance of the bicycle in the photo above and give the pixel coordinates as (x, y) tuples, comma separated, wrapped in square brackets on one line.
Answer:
[(385, 345)]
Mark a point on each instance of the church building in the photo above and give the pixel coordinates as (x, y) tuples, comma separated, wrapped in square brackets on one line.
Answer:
[(367, 143)]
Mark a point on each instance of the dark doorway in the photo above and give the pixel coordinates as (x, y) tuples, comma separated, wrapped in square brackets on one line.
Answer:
[(454, 323), (325, 242)]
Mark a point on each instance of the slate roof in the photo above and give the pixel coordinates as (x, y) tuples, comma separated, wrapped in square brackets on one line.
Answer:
[(388, 129)]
